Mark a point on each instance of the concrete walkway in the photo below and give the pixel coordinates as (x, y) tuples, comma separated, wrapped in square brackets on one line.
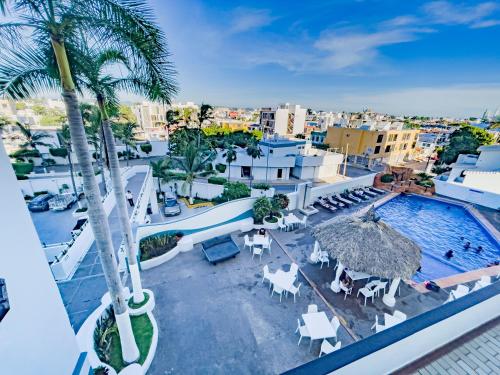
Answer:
[(82, 294)]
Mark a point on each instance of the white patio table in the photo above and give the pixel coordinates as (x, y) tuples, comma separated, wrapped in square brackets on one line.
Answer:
[(283, 279), (354, 275), (259, 240), (318, 325), (291, 220)]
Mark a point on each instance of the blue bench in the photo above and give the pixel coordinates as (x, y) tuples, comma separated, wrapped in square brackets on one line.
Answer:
[(219, 249)]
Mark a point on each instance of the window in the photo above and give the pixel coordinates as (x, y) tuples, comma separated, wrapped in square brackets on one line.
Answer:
[(4, 300), (377, 149), (245, 171), (280, 173), (379, 139), (388, 148)]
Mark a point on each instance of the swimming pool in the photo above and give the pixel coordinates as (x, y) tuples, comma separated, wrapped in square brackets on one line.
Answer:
[(438, 227)]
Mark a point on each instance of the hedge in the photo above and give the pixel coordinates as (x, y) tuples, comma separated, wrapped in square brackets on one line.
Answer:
[(22, 168), (387, 178), (60, 152), (146, 148), (221, 168), (217, 180), (25, 153)]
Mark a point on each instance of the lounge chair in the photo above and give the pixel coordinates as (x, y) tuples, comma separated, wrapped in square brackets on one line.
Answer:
[(461, 291), (344, 200), (360, 195), (334, 202), (484, 281), (322, 203), (375, 190), (327, 348), (369, 193), (351, 197)]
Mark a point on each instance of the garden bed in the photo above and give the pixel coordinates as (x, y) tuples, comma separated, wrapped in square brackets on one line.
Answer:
[(157, 245), (109, 350)]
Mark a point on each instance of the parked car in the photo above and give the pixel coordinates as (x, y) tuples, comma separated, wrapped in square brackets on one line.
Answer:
[(40, 203), (62, 202), (171, 207)]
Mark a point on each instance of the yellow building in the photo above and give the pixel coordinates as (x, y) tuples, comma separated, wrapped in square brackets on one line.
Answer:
[(367, 147)]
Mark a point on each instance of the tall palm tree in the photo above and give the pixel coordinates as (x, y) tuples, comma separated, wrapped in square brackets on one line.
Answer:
[(161, 172), (193, 163), (172, 118), (65, 140), (32, 139), (254, 151), (126, 25), (126, 133), (230, 156), (205, 114)]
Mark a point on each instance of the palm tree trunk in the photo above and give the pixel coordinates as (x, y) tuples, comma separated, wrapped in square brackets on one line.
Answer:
[(100, 162), (251, 174), (71, 174), (121, 203), (229, 172), (97, 216)]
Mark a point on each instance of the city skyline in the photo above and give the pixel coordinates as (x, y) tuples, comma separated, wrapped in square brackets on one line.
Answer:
[(425, 58)]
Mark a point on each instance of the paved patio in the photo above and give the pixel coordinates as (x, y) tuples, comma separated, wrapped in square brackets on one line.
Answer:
[(82, 294), (221, 319)]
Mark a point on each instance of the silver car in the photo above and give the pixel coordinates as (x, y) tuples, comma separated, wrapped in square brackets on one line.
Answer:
[(171, 206)]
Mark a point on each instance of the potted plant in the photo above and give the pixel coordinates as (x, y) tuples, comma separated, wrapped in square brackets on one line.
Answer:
[(80, 212), (262, 190)]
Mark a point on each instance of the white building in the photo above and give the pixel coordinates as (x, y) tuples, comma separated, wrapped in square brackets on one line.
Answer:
[(151, 117), (286, 119), (35, 333), (283, 159), (473, 178)]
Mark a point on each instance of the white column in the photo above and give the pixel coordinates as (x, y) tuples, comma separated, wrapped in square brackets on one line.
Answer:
[(389, 299), (130, 351), (335, 285), (136, 283), (153, 201), (315, 254)]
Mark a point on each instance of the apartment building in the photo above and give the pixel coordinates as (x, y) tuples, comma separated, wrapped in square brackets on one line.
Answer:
[(286, 119), (151, 117), (369, 147)]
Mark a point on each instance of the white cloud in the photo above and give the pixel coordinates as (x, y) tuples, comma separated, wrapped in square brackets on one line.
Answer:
[(447, 13), (245, 19)]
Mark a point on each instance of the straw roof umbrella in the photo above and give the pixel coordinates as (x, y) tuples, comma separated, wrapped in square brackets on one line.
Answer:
[(367, 244)]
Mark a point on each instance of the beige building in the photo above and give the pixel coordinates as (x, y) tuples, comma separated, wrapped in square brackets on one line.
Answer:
[(367, 147)]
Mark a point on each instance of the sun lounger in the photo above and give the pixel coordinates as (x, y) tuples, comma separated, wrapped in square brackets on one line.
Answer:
[(484, 281), (461, 291), (360, 194), (375, 190), (322, 203), (343, 200), (352, 197), (369, 193), (335, 203)]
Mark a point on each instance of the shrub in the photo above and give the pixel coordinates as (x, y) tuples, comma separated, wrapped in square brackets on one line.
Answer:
[(22, 168), (217, 180), (60, 152), (233, 190), (221, 168), (322, 146), (271, 219), (387, 178), (261, 209), (37, 193), (261, 186), (157, 245), (146, 148), (101, 371), (21, 177), (28, 197), (438, 169), (105, 327), (282, 200), (423, 176), (81, 209), (25, 153), (48, 162), (177, 176), (425, 183)]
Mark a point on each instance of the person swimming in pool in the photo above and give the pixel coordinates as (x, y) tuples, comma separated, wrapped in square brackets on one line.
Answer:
[(479, 249), (448, 254), (467, 245)]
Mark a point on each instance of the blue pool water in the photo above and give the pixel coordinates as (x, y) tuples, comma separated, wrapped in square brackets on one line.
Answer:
[(437, 227)]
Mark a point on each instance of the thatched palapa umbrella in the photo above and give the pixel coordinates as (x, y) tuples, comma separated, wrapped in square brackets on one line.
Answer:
[(367, 244)]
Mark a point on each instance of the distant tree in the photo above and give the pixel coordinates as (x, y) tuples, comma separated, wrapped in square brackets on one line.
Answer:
[(230, 155), (254, 151), (465, 140), (125, 132)]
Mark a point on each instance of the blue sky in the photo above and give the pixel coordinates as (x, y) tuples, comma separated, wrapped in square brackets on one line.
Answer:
[(401, 57)]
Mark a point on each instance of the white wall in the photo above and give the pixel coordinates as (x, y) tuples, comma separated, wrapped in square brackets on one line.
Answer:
[(339, 187), (464, 193), (35, 336), (489, 160), (200, 189), (403, 352), (50, 184), (487, 181)]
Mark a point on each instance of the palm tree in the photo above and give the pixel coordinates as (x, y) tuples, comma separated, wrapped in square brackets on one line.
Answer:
[(254, 151), (205, 114), (125, 25), (193, 163), (230, 156), (172, 117), (161, 172), (65, 140), (93, 130), (126, 133), (32, 139)]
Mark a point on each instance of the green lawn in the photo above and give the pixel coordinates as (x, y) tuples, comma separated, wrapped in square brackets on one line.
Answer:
[(133, 305), (143, 332)]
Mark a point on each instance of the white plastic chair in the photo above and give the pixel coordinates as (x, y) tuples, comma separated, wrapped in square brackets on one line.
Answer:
[(304, 221), (376, 326), (295, 290), (257, 251), (335, 325), (267, 275), (327, 348), (484, 281), (381, 285), (277, 290), (302, 331), (400, 315), (324, 259), (294, 268), (312, 309), (281, 225), (248, 242), (268, 246), (367, 293), (461, 291)]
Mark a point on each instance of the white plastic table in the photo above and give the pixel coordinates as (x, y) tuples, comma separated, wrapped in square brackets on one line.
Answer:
[(283, 279), (259, 240), (354, 275), (291, 220), (318, 325)]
